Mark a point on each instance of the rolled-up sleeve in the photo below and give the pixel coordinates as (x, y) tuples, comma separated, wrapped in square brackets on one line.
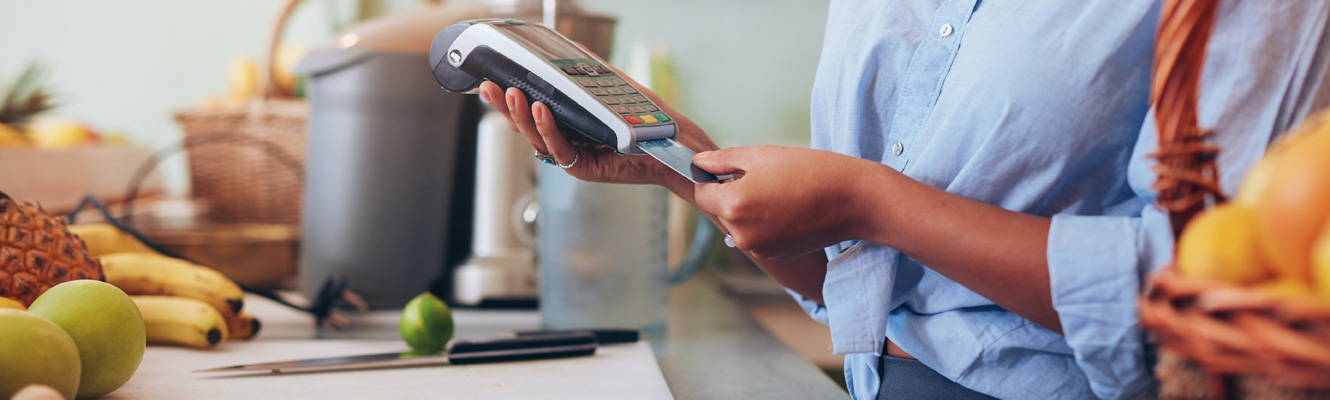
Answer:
[(1095, 276)]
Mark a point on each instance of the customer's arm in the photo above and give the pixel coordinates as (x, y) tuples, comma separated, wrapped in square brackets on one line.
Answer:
[(791, 202), (1265, 71), (600, 164)]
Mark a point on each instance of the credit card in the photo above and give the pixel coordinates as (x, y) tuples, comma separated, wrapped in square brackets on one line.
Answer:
[(678, 158)]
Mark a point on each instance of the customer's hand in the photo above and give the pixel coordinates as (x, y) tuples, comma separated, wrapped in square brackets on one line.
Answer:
[(785, 201), (595, 163)]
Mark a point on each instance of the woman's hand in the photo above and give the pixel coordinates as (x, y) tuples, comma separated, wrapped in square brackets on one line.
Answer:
[(595, 162), (786, 202)]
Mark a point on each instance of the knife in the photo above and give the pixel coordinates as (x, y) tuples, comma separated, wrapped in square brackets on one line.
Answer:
[(530, 345)]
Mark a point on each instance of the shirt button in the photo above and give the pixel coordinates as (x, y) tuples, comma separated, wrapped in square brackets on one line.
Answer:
[(946, 30), (897, 148)]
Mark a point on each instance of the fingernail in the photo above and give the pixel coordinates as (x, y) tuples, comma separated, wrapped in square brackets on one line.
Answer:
[(538, 113), (511, 103), (702, 155), (485, 97)]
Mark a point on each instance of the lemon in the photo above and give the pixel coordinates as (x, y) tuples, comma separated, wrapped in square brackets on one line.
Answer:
[(427, 324), (1221, 244)]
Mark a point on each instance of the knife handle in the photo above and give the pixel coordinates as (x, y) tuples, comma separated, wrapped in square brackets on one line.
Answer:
[(522, 348), (603, 336)]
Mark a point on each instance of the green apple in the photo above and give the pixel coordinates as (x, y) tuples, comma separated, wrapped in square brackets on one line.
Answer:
[(106, 326), (427, 324), (35, 350)]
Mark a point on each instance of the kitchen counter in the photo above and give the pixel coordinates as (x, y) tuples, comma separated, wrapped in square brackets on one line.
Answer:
[(712, 349)]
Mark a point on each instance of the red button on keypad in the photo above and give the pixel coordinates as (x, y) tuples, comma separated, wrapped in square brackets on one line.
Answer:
[(632, 119)]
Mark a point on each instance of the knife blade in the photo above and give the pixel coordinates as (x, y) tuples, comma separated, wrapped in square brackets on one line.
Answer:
[(603, 335), (531, 347)]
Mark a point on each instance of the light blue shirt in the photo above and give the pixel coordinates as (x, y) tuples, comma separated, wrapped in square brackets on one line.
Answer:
[(1037, 106)]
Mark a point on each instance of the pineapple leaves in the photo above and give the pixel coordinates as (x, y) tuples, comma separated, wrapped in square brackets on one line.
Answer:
[(25, 97)]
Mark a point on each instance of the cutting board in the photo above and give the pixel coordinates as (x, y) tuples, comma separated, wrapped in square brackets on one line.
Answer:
[(626, 371)]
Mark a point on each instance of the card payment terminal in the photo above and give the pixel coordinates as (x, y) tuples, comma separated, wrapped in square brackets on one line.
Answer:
[(589, 101)]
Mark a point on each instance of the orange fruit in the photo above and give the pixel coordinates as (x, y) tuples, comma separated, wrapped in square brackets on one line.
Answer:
[(1257, 182), (1286, 288), (1321, 263), (1220, 244), (1290, 190)]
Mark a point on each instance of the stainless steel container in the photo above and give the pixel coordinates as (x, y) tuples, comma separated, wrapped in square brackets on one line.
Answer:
[(392, 157), (386, 150)]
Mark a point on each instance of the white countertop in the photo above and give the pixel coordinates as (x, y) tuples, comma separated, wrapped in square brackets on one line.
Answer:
[(712, 350), (614, 372)]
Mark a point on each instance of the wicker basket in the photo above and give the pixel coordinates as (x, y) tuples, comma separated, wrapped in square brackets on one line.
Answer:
[(232, 163), (1217, 340), (241, 161)]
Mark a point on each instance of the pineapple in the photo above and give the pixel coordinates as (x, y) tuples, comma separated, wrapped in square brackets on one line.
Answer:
[(20, 101), (37, 252)]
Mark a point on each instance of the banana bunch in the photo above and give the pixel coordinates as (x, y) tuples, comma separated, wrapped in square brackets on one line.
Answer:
[(176, 294), (103, 238), (157, 275), (181, 321), (182, 303)]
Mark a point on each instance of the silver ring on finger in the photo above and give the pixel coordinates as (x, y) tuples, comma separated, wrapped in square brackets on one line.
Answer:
[(546, 158), (576, 156), (729, 240)]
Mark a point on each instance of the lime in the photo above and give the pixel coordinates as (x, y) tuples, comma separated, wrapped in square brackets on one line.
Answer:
[(427, 324)]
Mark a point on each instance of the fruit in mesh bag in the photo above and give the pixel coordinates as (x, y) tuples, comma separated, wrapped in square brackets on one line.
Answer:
[(37, 252)]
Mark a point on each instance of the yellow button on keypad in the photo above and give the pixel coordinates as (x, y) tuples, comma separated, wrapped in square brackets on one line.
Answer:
[(648, 119)]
